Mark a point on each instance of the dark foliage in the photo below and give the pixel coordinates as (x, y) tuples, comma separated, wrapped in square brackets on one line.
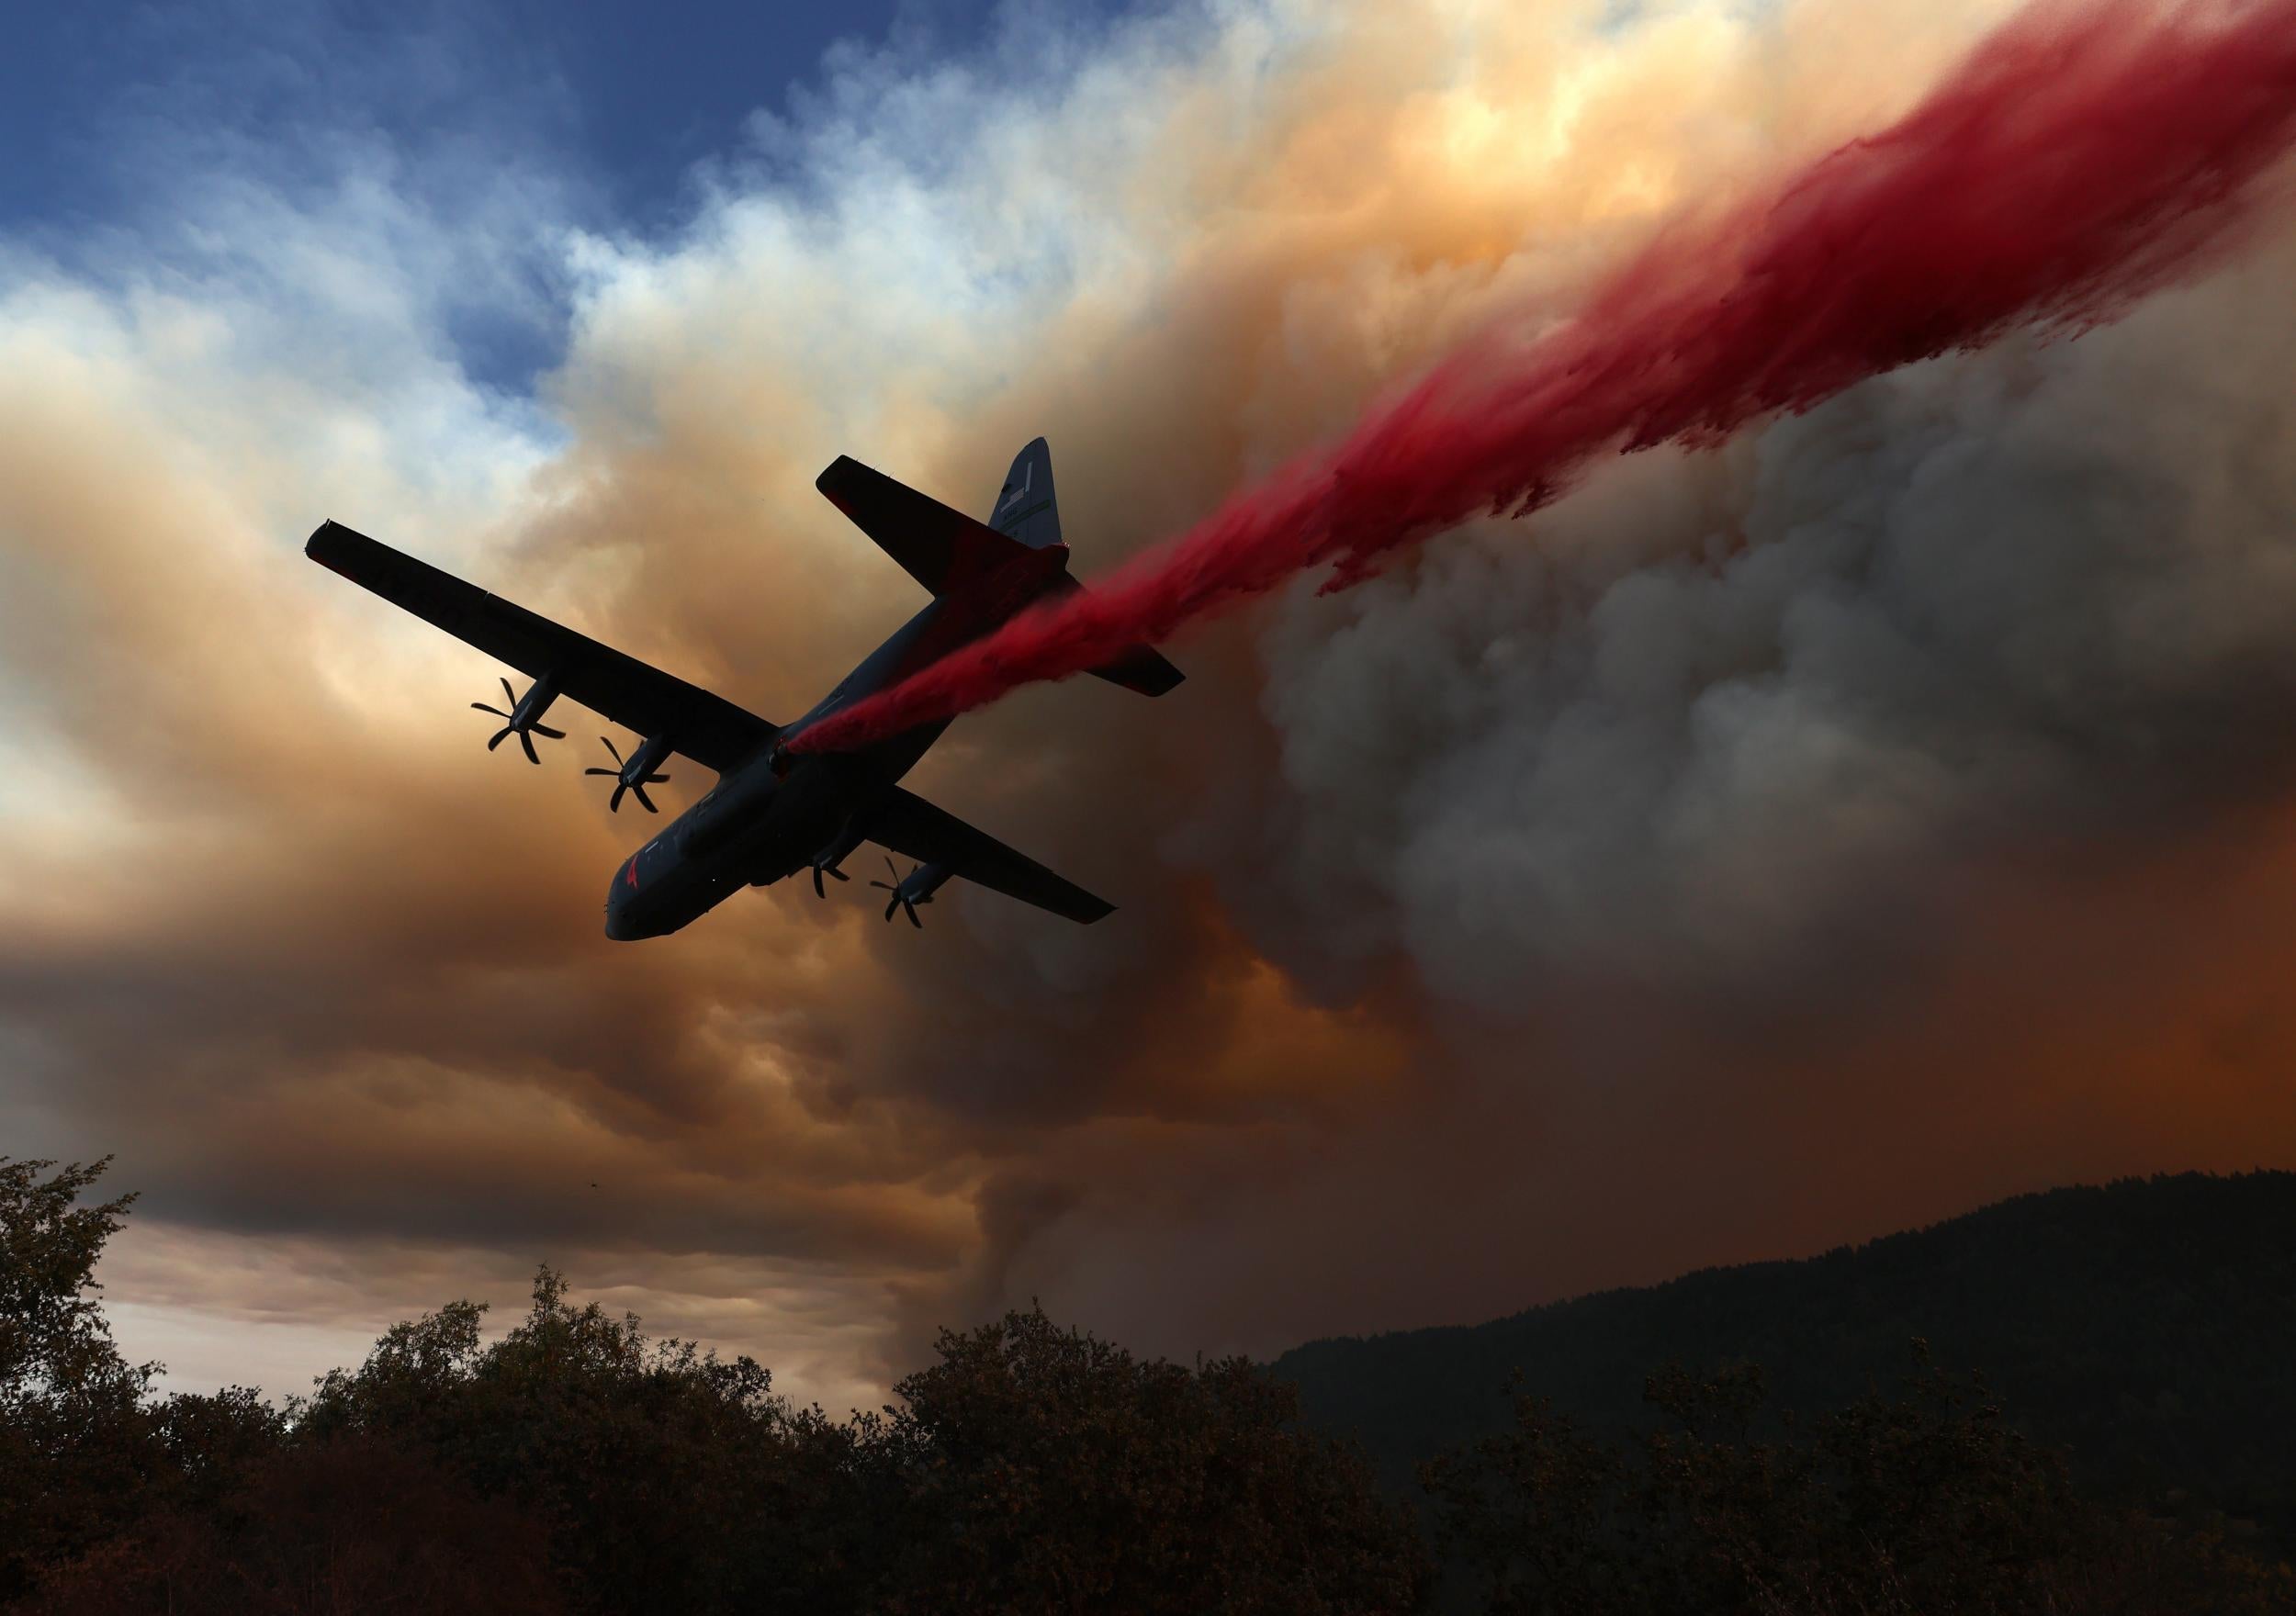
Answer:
[(663, 1473), (348, 1525), (2146, 1327), (78, 1445), (1048, 1471), (1899, 1505), (575, 1466)]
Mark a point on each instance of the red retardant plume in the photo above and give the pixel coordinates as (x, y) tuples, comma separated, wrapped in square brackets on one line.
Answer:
[(2074, 162)]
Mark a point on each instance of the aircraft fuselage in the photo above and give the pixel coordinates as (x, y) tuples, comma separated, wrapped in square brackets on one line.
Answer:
[(779, 812)]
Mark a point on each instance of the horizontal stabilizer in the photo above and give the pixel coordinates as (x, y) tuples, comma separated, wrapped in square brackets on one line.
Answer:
[(941, 548), (948, 552), (1141, 667)]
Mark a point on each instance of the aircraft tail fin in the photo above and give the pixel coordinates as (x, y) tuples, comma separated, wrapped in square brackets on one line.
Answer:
[(941, 548), (1024, 506), (1026, 509), (947, 551)]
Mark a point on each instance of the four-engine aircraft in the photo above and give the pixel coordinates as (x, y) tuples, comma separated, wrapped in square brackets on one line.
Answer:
[(773, 812)]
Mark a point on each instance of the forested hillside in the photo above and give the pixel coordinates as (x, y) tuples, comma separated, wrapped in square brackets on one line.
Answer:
[(2148, 1326), (573, 1464)]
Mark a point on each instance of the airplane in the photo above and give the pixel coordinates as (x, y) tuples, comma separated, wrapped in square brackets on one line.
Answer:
[(774, 812)]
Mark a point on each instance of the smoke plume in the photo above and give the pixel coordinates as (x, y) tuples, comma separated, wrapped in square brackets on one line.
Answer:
[(2075, 160)]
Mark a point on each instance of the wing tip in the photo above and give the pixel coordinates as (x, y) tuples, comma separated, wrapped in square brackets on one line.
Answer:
[(1170, 680), (837, 472), (1144, 670), (328, 541)]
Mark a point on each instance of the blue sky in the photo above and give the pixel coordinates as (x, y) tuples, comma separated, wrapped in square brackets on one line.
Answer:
[(109, 111)]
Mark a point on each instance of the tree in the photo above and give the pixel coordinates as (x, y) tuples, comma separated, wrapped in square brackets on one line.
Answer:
[(315, 1528), (1047, 1471), (1900, 1504), (77, 1444), (576, 1464), (668, 1478), (1531, 1514)]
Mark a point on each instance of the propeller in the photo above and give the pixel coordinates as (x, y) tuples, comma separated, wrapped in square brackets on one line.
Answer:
[(624, 779), (898, 887), (834, 854), (525, 729)]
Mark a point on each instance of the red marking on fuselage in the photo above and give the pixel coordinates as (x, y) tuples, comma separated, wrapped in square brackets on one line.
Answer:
[(630, 874)]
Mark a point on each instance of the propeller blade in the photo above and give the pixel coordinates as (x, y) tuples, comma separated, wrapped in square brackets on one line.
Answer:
[(819, 889), (499, 735), (898, 900), (544, 729), (835, 874), (527, 741), (482, 707), (508, 694), (620, 774)]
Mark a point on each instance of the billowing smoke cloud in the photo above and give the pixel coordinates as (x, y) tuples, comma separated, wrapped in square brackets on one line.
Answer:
[(1723, 697), (1758, 848), (2079, 160)]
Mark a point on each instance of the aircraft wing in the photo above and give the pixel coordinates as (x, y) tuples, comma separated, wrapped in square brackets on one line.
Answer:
[(914, 829), (705, 727)]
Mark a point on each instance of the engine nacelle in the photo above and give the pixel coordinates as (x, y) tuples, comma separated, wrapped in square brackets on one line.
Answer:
[(839, 849), (908, 892), (652, 752), (923, 882)]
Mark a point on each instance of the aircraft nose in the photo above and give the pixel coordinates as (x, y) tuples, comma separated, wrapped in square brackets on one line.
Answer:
[(627, 922)]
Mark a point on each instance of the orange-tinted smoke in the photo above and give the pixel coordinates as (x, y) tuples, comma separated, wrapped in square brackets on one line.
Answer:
[(2076, 159)]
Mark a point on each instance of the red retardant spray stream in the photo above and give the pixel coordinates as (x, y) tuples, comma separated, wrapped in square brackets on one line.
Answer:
[(2076, 159)]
